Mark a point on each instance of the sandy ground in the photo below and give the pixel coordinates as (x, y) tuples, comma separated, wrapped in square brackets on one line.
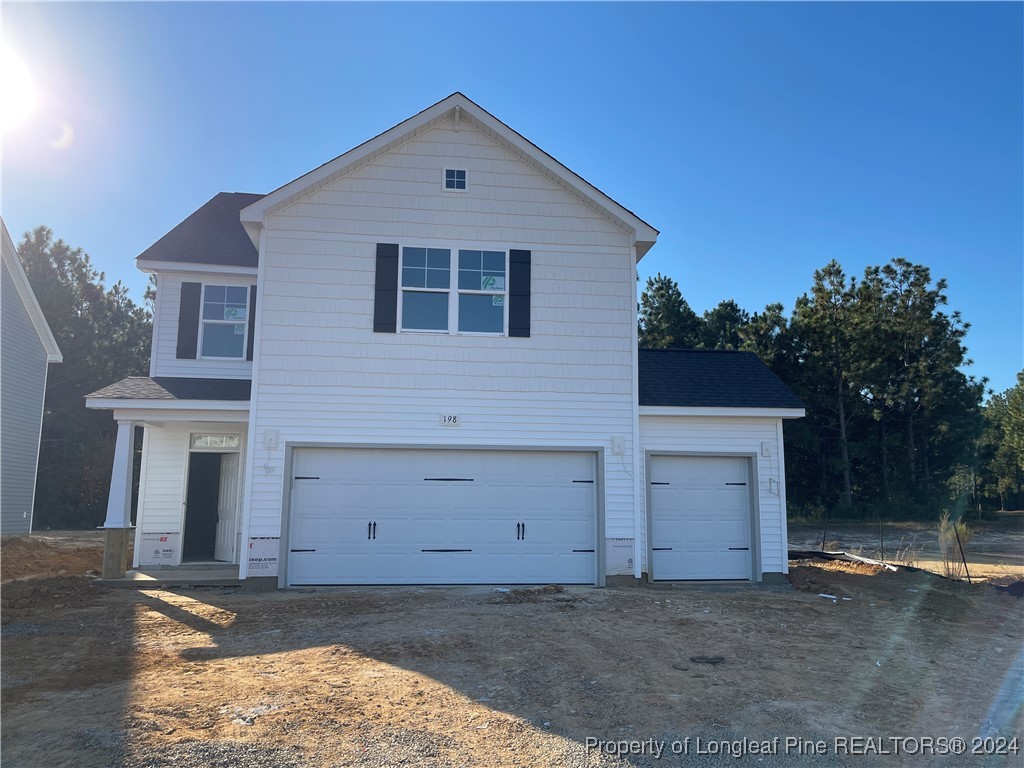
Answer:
[(473, 676), (995, 551)]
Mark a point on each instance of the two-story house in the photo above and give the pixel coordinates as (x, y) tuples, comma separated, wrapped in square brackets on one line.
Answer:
[(418, 364)]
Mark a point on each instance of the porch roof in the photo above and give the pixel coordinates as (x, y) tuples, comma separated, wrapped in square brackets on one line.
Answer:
[(174, 388)]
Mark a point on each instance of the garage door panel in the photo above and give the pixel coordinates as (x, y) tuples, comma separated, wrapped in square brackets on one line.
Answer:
[(701, 518), (442, 516)]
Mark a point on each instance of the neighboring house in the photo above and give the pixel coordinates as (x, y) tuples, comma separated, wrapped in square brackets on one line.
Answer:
[(439, 328), (27, 348)]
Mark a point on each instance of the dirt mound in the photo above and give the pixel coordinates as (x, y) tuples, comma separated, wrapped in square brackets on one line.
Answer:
[(22, 556), (531, 595), (1016, 589), (53, 592)]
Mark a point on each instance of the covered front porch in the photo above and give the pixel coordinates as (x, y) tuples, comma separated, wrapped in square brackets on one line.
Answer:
[(188, 524)]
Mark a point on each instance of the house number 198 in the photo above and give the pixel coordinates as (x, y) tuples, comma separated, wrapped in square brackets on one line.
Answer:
[(449, 420)]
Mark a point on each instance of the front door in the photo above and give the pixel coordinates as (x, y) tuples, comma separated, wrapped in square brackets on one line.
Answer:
[(227, 509)]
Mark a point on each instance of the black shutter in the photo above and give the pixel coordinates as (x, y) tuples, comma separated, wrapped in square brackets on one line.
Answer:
[(519, 293), (252, 323), (188, 321), (385, 296)]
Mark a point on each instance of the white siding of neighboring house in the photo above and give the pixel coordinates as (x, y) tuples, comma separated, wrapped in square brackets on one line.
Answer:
[(731, 435), (164, 476), (323, 375), (23, 374), (165, 330)]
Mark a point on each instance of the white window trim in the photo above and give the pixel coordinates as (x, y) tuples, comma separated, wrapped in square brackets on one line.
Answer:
[(203, 322), (452, 292), (444, 186)]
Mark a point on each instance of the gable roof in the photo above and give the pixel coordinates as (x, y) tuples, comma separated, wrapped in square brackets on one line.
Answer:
[(28, 298), (212, 234), (698, 378), (460, 108)]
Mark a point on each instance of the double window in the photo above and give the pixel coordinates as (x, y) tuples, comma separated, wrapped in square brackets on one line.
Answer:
[(224, 321), (474, 302)]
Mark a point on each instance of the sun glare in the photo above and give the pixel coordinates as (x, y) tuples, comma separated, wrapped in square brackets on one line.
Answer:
[(17, 92)]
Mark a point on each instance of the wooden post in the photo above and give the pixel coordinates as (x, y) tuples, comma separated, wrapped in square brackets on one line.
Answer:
[(115, 553)]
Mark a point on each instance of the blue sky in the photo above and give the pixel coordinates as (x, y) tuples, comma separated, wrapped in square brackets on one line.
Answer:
[(763, 140)]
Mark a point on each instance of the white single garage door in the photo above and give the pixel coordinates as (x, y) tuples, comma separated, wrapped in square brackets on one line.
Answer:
[(388, 516), (700, 518)]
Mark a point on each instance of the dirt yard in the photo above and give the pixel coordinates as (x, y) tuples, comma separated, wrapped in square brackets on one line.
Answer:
[(478, 677)]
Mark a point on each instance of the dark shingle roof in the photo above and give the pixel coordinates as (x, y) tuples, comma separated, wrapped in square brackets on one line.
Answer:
[(710, 379), (169, 388), (211, 235)]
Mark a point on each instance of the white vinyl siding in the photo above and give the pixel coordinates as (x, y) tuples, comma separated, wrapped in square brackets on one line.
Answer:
[(165, 330), (696, 435), (325, 376)]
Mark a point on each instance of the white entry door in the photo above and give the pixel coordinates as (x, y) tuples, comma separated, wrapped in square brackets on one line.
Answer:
[(381, 516), (227, 509), (701, 519)]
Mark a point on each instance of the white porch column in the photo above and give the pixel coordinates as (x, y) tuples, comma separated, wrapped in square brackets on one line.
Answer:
[(119, 504)]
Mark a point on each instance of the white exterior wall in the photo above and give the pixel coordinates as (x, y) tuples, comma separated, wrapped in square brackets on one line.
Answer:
[(164, 479), (165, 330), (324, 376), (692, 434)]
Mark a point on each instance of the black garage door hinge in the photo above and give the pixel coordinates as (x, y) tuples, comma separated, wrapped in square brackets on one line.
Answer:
[(446, 550), (302, 550), (739, 549), (304, 477)]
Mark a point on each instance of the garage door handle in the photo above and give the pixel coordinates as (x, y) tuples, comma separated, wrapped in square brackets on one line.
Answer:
[(524, 531), (302, 550), (519, 531), (662, 549), (739, 549), (735, 483), (446, 550), (583, 550), (448, 479), (375, 530), (654, 483)]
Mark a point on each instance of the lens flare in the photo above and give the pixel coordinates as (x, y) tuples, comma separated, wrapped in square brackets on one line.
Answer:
[(17, 92)]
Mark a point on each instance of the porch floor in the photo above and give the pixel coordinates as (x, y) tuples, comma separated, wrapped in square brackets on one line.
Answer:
[(185, 576)]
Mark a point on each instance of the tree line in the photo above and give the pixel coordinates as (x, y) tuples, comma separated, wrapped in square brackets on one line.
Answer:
[(104, 337), (894, 427)]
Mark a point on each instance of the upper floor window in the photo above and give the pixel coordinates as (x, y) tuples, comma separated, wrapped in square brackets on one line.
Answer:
[(475, 304), (223, 326), (454, 179)]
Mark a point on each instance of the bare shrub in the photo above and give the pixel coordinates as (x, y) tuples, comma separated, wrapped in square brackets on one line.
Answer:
[(952, 558)]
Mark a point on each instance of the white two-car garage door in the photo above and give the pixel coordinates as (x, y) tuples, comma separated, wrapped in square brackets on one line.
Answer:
[(701, 522), (389, 516)]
